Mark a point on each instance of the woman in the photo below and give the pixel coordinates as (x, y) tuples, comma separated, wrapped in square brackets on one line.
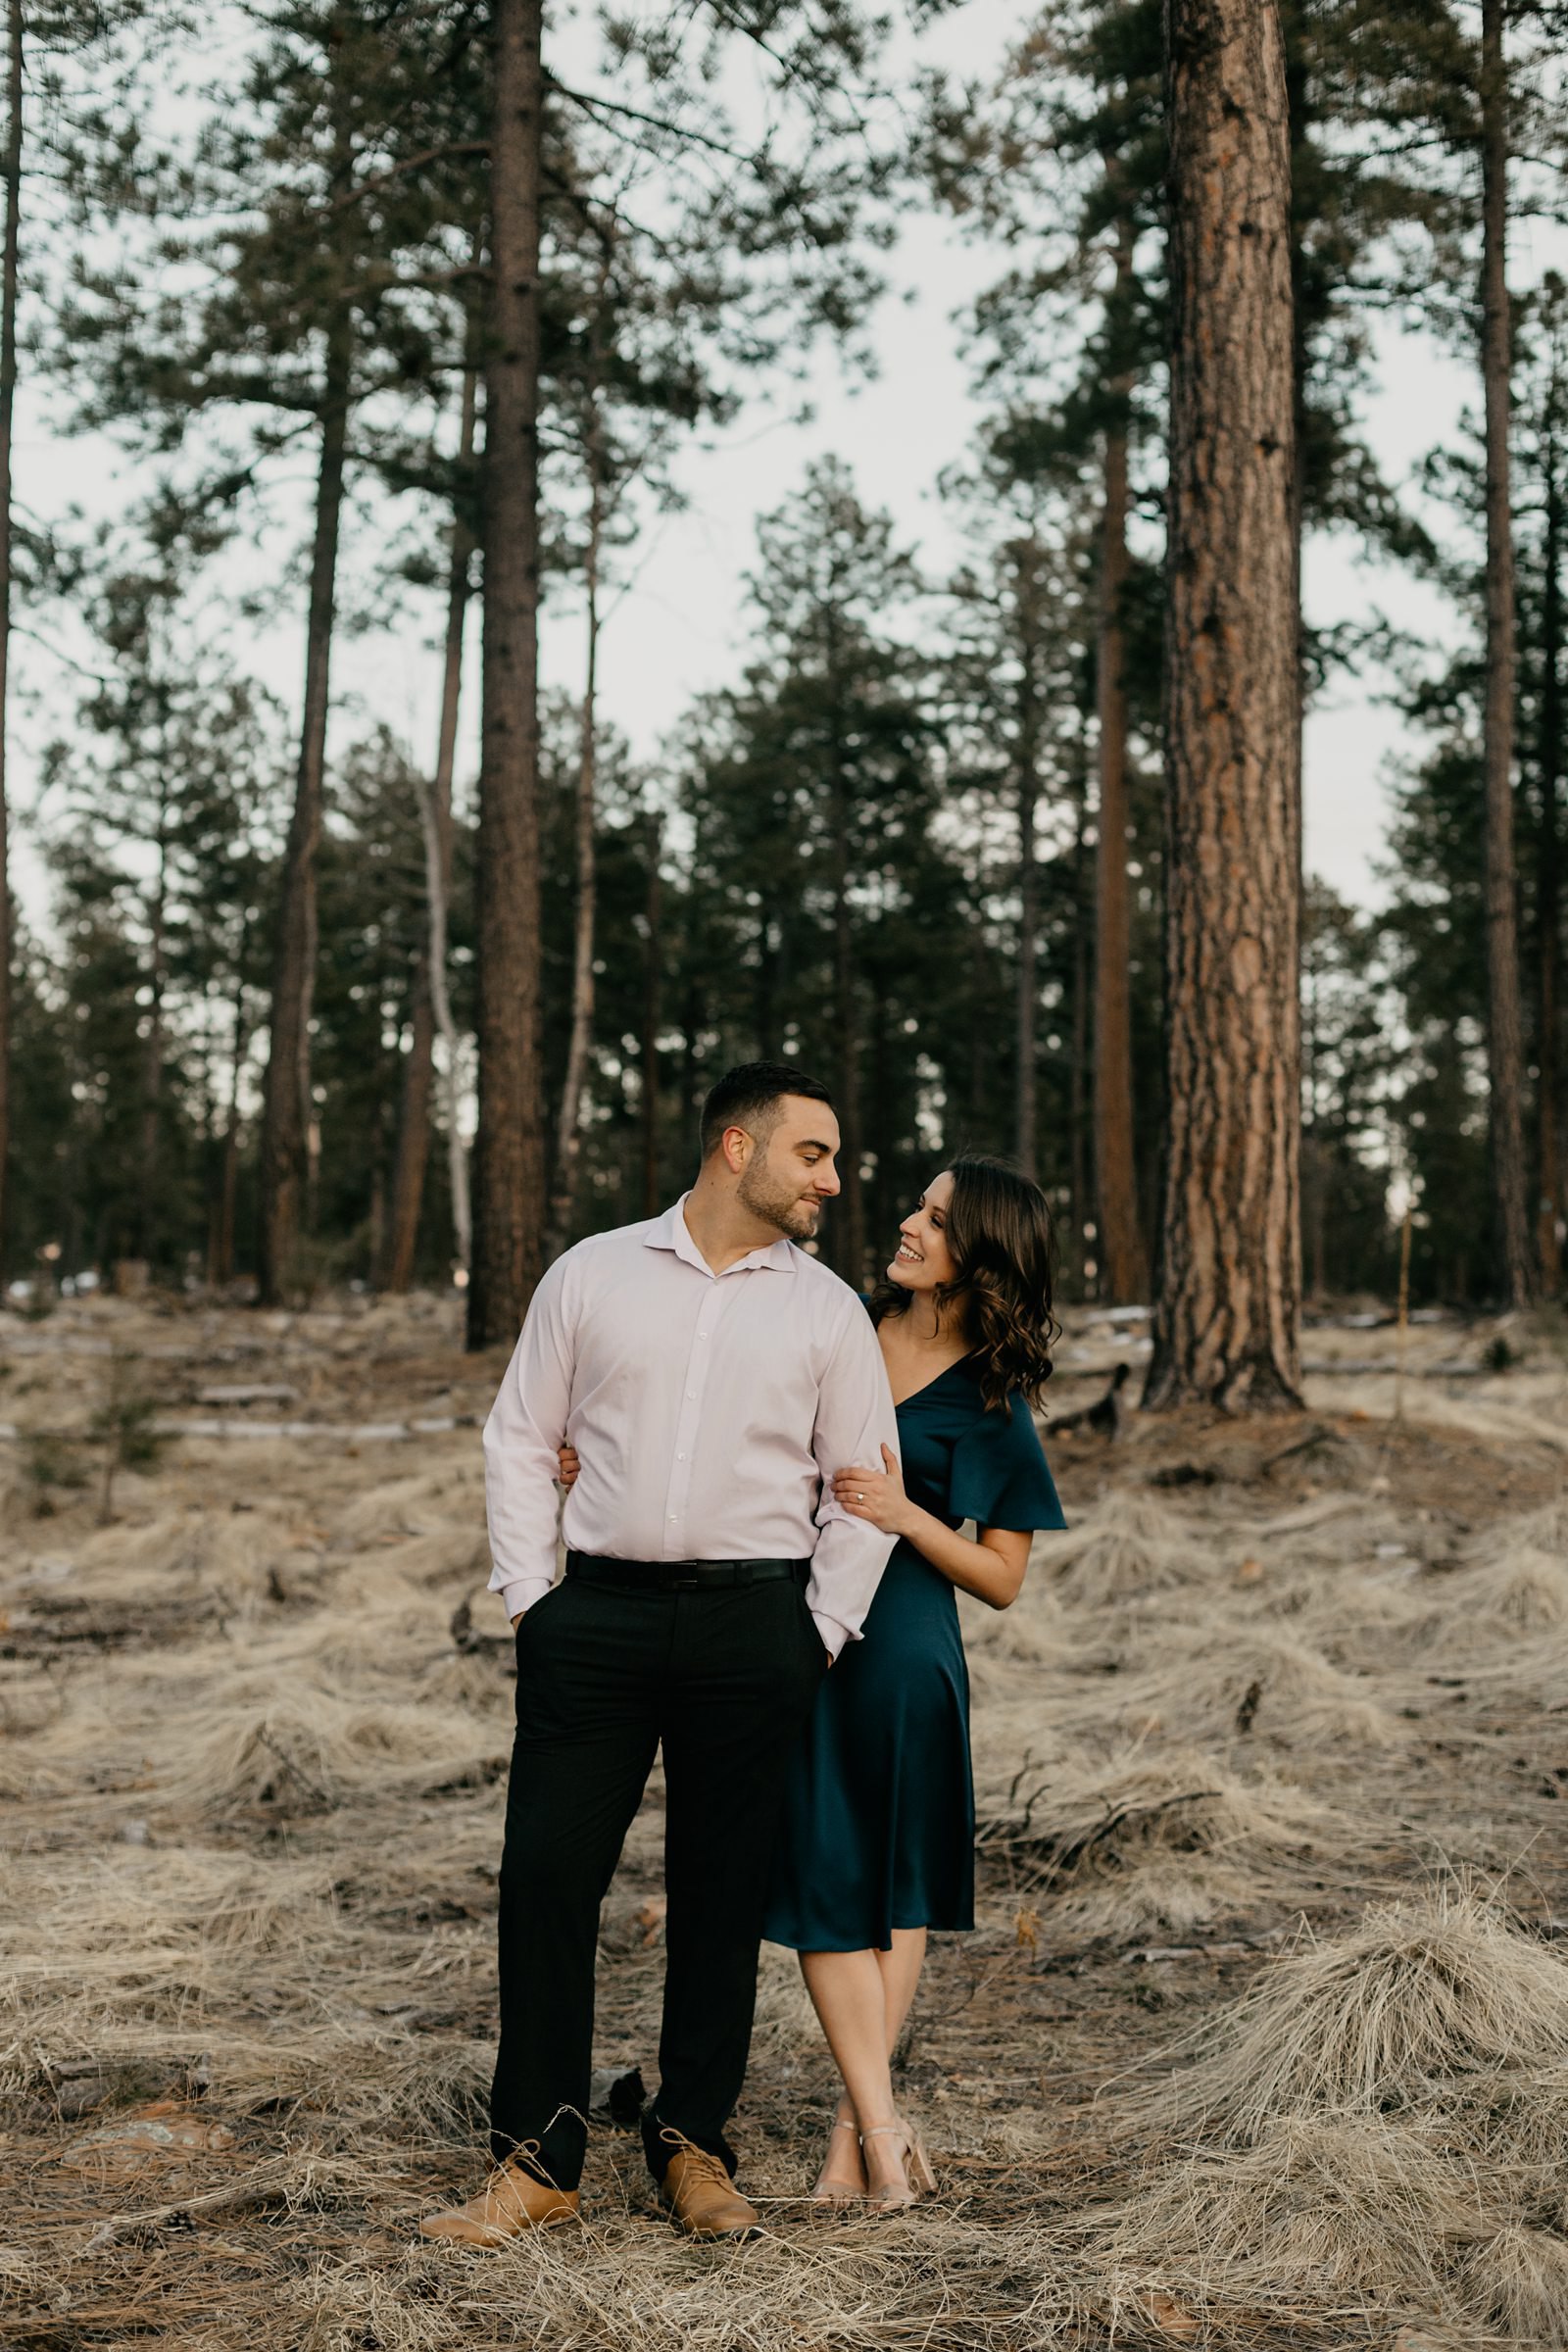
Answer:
[(878, 1843)]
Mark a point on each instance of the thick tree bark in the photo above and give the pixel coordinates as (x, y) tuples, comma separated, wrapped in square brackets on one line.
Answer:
[(9, 258), (288, 1114), (653, 952), (411, 1145), (579, 1040), (1504, 1026), (1228, 1296), (1548, 878), (1026, 1009), (1124, 1273), (1025, 1087), (1078, 1088), (850, 1214), (152, 1064), (848, 1221), (431, 1008), (509, 1169), (221, 1247)]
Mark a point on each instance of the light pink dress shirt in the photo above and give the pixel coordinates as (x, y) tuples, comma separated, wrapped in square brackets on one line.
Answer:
[(710, 1411)]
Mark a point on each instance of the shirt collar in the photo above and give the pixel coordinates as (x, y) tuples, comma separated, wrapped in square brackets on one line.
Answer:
[(671, 1232)]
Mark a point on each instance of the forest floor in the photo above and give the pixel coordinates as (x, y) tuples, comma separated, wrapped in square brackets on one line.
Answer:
[(1262, 2038)]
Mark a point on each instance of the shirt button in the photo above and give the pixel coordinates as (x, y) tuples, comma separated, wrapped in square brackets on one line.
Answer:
[(680, 1457), (692, 1394)]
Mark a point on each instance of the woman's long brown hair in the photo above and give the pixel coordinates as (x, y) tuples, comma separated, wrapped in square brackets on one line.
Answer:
[(999, 1232)]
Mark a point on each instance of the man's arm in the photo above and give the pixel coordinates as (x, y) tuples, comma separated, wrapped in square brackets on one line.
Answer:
[(854, 1420), (528, 1423)]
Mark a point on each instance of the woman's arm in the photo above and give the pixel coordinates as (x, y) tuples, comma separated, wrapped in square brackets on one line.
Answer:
[(991, 1569)]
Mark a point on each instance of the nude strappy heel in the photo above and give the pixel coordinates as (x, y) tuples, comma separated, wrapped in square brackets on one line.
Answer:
[(836, 2192), (922, 2180)]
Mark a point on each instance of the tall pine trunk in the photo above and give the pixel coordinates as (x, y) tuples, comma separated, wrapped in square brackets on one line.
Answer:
[(579, 1038), (431, 1009), (1504, 1027), (152, 1065), (1124, 1273), (1026, 1011), (850, 1216), (289, 1117), (1549, 874), (1227, 1301), (220, 1244), (9, 257), (509, 1164), (1026, 1090), (653, 952), (1078, 1112), (848, 1226)]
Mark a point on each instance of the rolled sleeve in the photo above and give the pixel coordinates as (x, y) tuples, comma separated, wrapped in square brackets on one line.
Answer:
[(854, 1420), (526, 1426)]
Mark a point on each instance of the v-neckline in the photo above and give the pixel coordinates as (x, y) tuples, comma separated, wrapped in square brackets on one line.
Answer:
[(926, 1385)]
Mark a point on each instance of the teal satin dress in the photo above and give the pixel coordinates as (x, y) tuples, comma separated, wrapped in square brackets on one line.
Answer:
[(879, 1821)]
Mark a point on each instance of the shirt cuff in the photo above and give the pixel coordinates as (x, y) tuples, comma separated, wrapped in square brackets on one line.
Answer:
[(517, 1599), (834, 1635)]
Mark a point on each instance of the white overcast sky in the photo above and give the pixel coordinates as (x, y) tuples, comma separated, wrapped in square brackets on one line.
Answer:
[(680, 626)]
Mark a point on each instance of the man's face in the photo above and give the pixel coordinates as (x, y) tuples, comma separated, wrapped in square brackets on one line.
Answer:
[(792, 1169)]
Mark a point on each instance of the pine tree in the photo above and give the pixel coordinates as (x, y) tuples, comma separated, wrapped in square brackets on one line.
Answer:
[(81, 34), (1012, 687), (813, 791), (1228, 1290), (161, 844), (1066, 157), (9, 259), (343, 157), (1504, 1024), (1544, 419)]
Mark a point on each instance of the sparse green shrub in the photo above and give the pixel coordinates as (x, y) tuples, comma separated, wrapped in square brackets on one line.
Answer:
[(124, 1425)]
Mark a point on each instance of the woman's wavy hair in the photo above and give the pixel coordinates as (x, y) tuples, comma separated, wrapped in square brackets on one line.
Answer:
[(1003, 1247)]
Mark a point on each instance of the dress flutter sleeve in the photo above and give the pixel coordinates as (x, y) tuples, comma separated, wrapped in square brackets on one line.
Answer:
[(999, 1474)]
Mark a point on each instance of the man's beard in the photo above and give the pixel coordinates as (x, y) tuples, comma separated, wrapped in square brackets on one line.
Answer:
[(774, 1204)]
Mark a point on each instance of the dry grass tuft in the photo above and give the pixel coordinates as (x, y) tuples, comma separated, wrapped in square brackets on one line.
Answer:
[(302, 1750), (1143, 1841), (1318, 2208), (1128, 1543), (1219, 1676), (1517, 2282), (1420, 1992)]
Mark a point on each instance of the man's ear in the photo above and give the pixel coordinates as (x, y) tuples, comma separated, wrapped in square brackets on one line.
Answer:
[(736, 1145)]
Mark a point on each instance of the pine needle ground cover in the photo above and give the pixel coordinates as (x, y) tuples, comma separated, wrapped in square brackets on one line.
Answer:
[(1263, 2041)]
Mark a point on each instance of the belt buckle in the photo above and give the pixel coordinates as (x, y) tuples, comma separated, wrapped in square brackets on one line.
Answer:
[(688, 1581)]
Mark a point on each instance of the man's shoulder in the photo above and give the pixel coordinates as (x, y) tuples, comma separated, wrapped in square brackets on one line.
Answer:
[(614, 1237), (596, 1248), (831, 1292)]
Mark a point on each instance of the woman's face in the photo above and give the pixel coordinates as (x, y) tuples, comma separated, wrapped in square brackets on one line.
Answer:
[(923, 1259)]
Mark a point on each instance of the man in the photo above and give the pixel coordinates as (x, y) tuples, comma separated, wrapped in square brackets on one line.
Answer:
[(711, 1377)]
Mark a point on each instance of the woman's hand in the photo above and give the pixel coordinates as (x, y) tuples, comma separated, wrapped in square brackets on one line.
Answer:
[(874, 1494), (570, 1465)]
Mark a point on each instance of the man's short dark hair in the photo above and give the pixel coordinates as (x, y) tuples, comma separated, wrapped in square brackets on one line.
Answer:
[(749, 1096)]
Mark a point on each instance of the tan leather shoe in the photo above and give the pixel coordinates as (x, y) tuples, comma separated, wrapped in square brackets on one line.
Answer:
[(701, 2197), (510, 2202)]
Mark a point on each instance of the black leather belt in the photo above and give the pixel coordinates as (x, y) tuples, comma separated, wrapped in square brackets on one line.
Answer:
[(682, 1575)]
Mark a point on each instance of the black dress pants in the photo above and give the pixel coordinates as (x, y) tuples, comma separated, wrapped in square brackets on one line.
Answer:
[(724, 1677)]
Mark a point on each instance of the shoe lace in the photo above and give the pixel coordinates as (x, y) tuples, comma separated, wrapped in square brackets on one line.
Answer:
[(699, 2161)]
